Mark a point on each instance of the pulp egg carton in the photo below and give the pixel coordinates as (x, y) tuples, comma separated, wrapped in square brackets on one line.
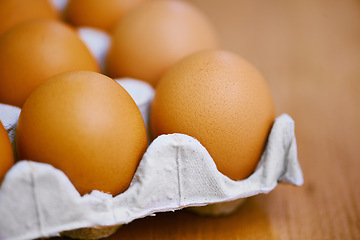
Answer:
[(176, 172)]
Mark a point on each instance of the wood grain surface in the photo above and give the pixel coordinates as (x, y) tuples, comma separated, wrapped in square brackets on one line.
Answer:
[(309, 53)]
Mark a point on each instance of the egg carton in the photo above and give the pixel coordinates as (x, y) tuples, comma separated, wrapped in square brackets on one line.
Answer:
[(176, 172)]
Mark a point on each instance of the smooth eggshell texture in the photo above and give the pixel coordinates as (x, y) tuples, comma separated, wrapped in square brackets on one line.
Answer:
[(86, 125), (154, 36), (220, 99), (6, 152), (99, 14), (36, 50), (13, 12)]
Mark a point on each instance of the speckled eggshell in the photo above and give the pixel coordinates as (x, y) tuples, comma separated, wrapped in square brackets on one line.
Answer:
[(86, 125), (220, 99)]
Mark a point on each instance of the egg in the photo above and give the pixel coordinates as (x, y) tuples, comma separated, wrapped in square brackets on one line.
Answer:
[(6, 152), (13, 12), (85, 124), (36, 50), (221, 100), (154, 36), (99, 14)]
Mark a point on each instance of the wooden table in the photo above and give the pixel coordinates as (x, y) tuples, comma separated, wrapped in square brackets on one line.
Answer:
[(309, 53)]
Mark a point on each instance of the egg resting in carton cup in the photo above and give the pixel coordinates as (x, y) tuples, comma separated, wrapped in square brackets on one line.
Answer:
[(176, 171)]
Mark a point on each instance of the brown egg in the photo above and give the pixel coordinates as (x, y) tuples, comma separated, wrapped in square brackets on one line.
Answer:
[(220, 99), (6, 152), (86, 125), (13, 12), (156, 35), (99, 14), (36, 50)]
